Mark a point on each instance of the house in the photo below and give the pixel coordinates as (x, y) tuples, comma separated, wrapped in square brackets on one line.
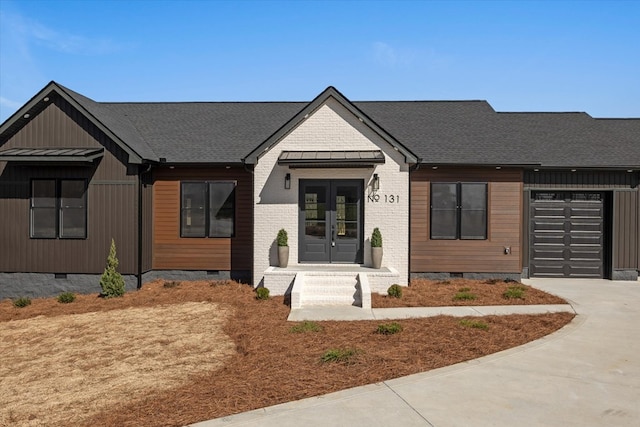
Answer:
[(200, 190)]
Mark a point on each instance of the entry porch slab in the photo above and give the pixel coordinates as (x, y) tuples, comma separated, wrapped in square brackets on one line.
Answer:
[(280, 281)]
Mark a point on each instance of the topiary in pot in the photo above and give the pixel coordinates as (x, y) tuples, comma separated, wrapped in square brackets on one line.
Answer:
[(283, 248), (376, 248)]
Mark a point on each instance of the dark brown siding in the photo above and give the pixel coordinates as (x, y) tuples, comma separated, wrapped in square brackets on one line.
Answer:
[(625, 230), (481, 256), (171, 252), (579, 180), (111, 198)]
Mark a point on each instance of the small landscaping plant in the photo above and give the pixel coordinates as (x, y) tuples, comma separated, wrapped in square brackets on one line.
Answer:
[(283, 238), (262, 293), (492, 281), (343, 355), (464, 294), (112, 282), (395, 291), (22, 302), (171, 284), (66, 297), (510, 280), (389, 328), (476, 324), (514, 292), (305, 326), (376, 238)]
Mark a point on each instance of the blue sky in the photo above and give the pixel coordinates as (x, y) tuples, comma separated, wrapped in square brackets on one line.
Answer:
[(518, 55)]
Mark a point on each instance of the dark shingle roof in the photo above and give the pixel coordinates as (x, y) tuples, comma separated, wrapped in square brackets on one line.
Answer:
[(437, 132), (215, 132)]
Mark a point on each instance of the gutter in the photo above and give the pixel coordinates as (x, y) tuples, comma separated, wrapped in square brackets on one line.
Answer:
[(140, 221)]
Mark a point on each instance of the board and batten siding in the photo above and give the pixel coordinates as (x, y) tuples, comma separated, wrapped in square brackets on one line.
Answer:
[(172, 252), (111, 199), (504, 216), (626, 230)]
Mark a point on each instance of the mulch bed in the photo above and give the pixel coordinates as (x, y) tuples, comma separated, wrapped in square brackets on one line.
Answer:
[(441, 293), (274, 365)]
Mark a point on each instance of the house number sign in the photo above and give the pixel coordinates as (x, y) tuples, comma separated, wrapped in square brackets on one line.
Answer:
[(383, 198)]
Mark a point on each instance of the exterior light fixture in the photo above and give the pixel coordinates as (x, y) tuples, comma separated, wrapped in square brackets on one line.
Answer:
[(434, 167), (498, 167), (573, 170), (375, 184), (287, 181)]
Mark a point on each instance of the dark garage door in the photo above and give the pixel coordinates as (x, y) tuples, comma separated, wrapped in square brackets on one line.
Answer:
[(566, 234)]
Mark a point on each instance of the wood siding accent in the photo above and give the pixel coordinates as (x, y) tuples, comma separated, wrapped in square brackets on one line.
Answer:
[(172, 252), (504, 217), (111, 199), (626, 230)]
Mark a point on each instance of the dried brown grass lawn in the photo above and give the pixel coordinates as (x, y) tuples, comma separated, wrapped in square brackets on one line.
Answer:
[(201, 350)]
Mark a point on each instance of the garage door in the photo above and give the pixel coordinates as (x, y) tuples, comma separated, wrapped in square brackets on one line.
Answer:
[(566, 234)]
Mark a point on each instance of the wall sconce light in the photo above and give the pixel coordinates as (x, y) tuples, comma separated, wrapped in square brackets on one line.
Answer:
[(376, 182), (287, 181)]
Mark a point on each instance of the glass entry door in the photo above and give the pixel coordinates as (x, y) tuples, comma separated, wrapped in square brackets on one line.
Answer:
[(330, 221)]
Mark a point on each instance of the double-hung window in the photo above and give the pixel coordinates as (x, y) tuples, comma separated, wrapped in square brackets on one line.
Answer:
[(58, 209), (207, 209), (459, 211)]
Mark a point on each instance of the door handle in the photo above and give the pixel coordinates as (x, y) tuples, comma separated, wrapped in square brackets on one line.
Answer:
[(333, 235)]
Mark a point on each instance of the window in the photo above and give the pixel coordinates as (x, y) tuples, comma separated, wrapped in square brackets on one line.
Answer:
[(459, 211), (207, 209), (58, 209)]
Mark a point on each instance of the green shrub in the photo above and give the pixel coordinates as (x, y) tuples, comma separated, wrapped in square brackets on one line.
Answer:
[(464, 295), (395, 291), (112, 282), (338, 355), (376, 238), (22, 302), (171, 284), (66, 297), (389, 328), (514, 292), (476, 324), (262, 293), (305, 326), (464, 289), (283, 238)]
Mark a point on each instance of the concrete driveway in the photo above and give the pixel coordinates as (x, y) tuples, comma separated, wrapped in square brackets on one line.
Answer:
[(587, 374)]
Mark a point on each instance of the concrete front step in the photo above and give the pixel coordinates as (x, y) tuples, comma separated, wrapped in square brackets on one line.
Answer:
[(325, 289)]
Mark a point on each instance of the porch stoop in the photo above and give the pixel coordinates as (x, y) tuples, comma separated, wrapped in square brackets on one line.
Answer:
[(329, 288), (329, 285)]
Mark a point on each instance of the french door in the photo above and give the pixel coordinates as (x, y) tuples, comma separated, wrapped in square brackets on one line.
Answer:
[(330, 221)]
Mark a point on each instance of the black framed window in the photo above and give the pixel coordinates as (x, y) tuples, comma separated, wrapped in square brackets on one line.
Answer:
[(207, 209), (58, 209), (459, 211)]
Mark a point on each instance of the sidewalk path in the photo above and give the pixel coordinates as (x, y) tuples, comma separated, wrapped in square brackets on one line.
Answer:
[(586, 374)]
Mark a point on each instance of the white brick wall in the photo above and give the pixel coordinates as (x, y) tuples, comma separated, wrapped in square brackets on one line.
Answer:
[(331, 127)]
